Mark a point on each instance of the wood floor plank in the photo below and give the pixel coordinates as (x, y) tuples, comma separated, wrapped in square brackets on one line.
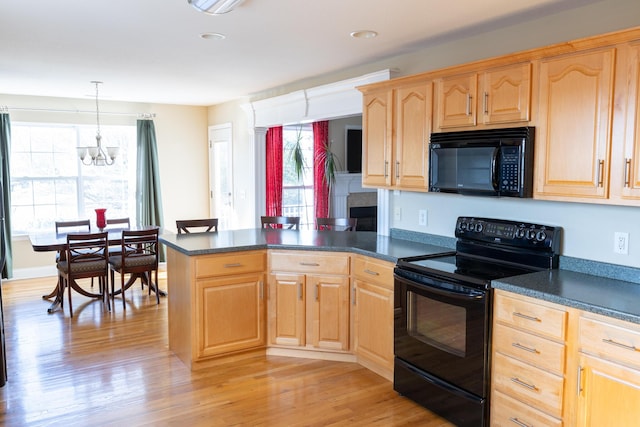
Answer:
[(114, 368)]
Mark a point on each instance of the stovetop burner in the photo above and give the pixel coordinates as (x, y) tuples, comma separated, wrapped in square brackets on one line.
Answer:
[(490, 249)]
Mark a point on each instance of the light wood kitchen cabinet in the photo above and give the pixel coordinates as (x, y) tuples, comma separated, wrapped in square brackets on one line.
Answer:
[(495, 96), (528, 361), (609, 372), (309, 300), (373, 307), (397, 125), (207, 293), (573, 138)]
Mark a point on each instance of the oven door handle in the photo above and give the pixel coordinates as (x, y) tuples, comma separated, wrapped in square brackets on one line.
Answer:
[(494, 168), (471, 294)]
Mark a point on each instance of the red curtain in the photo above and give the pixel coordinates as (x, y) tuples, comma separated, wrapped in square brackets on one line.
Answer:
[(274, 171), (320, 184)]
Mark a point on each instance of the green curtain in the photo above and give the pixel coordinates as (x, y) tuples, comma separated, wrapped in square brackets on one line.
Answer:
[(5, 193), (149, 206)]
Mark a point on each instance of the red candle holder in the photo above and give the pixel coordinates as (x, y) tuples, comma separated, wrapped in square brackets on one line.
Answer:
[(101, 220)]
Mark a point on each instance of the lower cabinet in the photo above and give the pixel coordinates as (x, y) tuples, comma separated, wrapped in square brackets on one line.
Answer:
[(309, 300), (372, 306)]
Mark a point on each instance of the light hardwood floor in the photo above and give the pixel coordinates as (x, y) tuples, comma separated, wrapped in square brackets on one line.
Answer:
[(102, 368)]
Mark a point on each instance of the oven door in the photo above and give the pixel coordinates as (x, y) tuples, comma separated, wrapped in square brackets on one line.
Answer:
[(442, 328)]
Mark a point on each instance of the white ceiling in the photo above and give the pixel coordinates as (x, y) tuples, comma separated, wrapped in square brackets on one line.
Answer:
[(150, 50)]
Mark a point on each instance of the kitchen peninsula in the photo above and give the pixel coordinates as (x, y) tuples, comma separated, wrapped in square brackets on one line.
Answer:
[(304, 293)]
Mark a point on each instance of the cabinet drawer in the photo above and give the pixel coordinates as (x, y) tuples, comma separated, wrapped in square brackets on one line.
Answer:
[(610, 341), (527, 384), (508, 412), (309, 262), (533, 317), (532, 349), (230, 263), (373, 271)]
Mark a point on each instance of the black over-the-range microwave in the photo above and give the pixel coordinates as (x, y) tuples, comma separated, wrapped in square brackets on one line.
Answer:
[(495, 162)]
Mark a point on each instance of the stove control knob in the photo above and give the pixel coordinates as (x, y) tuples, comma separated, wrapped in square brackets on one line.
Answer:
[(462, 226), (520, 233), (479, 228), (541, 236), (531, 234)]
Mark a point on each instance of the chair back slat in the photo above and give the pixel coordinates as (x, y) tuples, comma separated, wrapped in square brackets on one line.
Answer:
[(77, 225), (210, 225), (287, 222), (118, 223), (336, 224)]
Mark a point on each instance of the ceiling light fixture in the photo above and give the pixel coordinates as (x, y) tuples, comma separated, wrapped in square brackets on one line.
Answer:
[(213, 36), (97, 154), (215, 7), (363, 34)]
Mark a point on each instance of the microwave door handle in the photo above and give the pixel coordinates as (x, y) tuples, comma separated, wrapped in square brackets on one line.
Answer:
[(494, 168)]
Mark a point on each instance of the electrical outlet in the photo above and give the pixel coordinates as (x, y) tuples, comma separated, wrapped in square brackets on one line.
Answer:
[(422, 217), (397, 213), (621, 243)]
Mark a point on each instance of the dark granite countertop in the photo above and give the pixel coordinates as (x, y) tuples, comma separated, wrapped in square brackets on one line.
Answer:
[(610, 297), (362, 242)]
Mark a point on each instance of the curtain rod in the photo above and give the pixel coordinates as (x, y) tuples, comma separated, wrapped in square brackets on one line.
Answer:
[(5, 108)]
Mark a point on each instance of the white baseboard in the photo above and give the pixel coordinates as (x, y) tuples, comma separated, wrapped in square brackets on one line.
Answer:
[(50, 271)]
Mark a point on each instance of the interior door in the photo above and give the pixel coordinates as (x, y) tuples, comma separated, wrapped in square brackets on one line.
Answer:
[(221, 176)]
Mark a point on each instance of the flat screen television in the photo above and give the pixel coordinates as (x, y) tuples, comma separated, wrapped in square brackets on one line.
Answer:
[(354, 150)]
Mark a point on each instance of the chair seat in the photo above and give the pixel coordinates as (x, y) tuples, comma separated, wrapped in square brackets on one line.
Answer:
[(132, 261), (97, 266)]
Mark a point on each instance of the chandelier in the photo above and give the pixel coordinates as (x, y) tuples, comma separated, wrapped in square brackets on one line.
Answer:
[(214, 7), (97, 155)]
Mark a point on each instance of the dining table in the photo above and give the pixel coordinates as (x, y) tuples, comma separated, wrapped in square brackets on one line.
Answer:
[(52, 241)]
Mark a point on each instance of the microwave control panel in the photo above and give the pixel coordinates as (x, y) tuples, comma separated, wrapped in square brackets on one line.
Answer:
[(509, 176)]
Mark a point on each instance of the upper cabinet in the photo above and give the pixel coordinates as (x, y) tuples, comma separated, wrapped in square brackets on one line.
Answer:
[(397, 125), (496, 96), (573, 137)]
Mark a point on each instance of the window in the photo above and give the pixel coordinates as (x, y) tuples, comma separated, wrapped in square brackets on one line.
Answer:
[(297, 191), (49, 183)]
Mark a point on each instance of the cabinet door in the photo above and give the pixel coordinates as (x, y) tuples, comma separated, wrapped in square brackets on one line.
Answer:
[(413, 127), (456, 103), (574, 136), (506, 94), (328, 312), (609, 394), (287, 309), (219, 328), (373, 324), (377, 116), (631, 150)]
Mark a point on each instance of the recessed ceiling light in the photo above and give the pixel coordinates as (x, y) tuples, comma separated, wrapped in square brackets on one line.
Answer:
[(213, 36), (364, 34)]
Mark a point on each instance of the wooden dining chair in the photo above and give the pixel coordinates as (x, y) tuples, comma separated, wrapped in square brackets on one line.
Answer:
[(286, 222), (138, 258), (86, 256), (336, 224), (81, 225), (209, 225), (118, 223)]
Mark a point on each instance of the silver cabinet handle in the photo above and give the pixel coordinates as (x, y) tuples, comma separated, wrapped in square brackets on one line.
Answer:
[(300, 291), (525, 348), (520, 423), (523, 384), (397, 169), (469, 98), (317, 292), (371, 272), (386, 166), (580, 369), (261, 290), (524, 316), (232, 265), (619, 344), (354, 295), (310, 264), (600, 172), (486, 103), (627, 173)]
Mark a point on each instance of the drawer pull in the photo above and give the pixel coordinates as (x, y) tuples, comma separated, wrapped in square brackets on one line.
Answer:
[(618, 344), (310, 264), (371, 272), (231, 265), (524, 316), (523, 384), (525, 348), (520, 423)]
